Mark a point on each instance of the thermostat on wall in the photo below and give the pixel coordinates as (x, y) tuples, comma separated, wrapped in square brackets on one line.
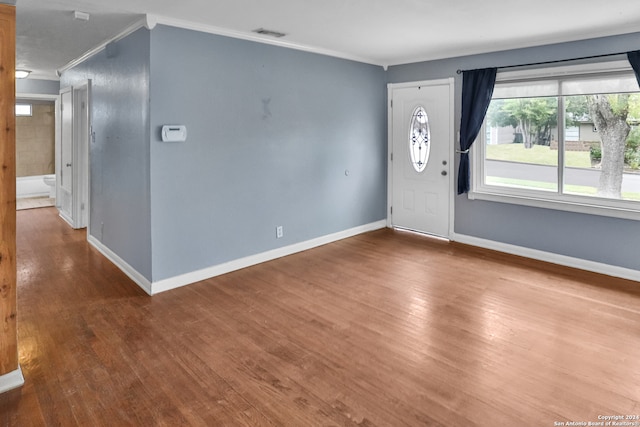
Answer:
[(174, 133)]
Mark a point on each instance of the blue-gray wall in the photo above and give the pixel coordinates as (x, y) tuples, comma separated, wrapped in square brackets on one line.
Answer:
[(271, 133), (36, 86), (119, 156), (595, 238)]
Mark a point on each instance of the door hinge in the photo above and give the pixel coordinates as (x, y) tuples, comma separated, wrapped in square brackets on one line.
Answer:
[(391, 210), (392, 103), (391, 157)]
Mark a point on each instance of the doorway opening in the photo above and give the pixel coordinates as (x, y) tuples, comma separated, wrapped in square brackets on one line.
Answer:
[(35, 150)]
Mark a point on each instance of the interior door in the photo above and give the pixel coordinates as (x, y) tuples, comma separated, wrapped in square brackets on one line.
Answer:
[(421, 157), (80, 200), (65, 168), (73, 155)]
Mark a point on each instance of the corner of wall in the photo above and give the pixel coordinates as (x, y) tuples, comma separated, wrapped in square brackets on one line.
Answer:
[(127, 269)]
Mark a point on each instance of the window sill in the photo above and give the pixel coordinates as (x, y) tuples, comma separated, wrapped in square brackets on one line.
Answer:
[(579, 206)]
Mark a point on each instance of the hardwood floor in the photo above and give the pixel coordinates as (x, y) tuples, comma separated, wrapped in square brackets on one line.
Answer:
[(383, 329)]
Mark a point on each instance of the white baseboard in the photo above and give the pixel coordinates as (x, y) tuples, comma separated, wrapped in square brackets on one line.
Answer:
[(153, 288), (133, 274), (11, 380), (227, 267), (567, 261)]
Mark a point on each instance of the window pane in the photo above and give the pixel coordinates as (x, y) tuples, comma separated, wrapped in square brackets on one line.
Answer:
[(526, 89), (522, 143), (23, 110), (419, 139), (612, 84), (604, 161)]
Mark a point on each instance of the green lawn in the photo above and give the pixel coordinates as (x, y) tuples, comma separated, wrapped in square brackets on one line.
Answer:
[(568, 189), (538, 154)]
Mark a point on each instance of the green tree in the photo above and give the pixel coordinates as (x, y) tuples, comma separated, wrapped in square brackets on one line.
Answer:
[(532, 117), (535, 117), (576, 110)]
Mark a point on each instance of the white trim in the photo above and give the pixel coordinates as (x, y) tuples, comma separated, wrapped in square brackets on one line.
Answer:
[(435, 82), (131, 272), (390, 88), (37, 96), (450, 81), (81, 147), (452, 156), (66, 218), (150, 21), (188, 25), (153, 288), (216, 270), (578, 206), (12, 380), (143, 22), (567, 261)]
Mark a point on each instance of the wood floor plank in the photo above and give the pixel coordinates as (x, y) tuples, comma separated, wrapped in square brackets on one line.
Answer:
[(383, 329)]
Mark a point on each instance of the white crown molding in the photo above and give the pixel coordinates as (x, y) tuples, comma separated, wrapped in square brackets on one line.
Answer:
[(203, 28), (143, 22), (11, 381), (150, 21), (550, 257)]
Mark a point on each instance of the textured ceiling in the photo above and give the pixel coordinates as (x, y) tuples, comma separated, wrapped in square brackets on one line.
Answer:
[(384, 32)]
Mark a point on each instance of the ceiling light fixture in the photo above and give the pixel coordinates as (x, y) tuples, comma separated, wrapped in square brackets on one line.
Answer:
[(81, 16), (271, 33), (22, 74)]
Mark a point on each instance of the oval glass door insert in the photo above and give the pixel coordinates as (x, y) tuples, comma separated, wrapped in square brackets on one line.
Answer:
[(419, 139)]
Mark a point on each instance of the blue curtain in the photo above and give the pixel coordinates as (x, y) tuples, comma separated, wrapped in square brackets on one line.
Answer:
[(477, 88), (634, 60)]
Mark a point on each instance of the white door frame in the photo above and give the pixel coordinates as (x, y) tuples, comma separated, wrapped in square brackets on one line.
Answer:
[(390, 88), (81, 195), (66, 216), (81, 175)]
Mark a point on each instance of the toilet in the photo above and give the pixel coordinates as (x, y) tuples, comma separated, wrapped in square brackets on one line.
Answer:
[(50, 180)]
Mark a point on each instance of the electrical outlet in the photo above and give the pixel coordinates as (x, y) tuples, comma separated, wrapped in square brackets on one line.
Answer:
[(279, 232)]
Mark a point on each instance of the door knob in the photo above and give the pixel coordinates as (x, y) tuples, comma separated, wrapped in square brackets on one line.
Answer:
[(68, 165), (443, 173)]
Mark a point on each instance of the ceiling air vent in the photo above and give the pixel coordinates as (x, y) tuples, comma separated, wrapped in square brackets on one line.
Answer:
[(271, 33)]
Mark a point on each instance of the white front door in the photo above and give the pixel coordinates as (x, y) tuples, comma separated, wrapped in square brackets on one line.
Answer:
[(421, 165)]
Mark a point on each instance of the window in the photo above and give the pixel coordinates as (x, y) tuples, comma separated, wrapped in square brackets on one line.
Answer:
[(564, 138), (23, 110), (419, 139)]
